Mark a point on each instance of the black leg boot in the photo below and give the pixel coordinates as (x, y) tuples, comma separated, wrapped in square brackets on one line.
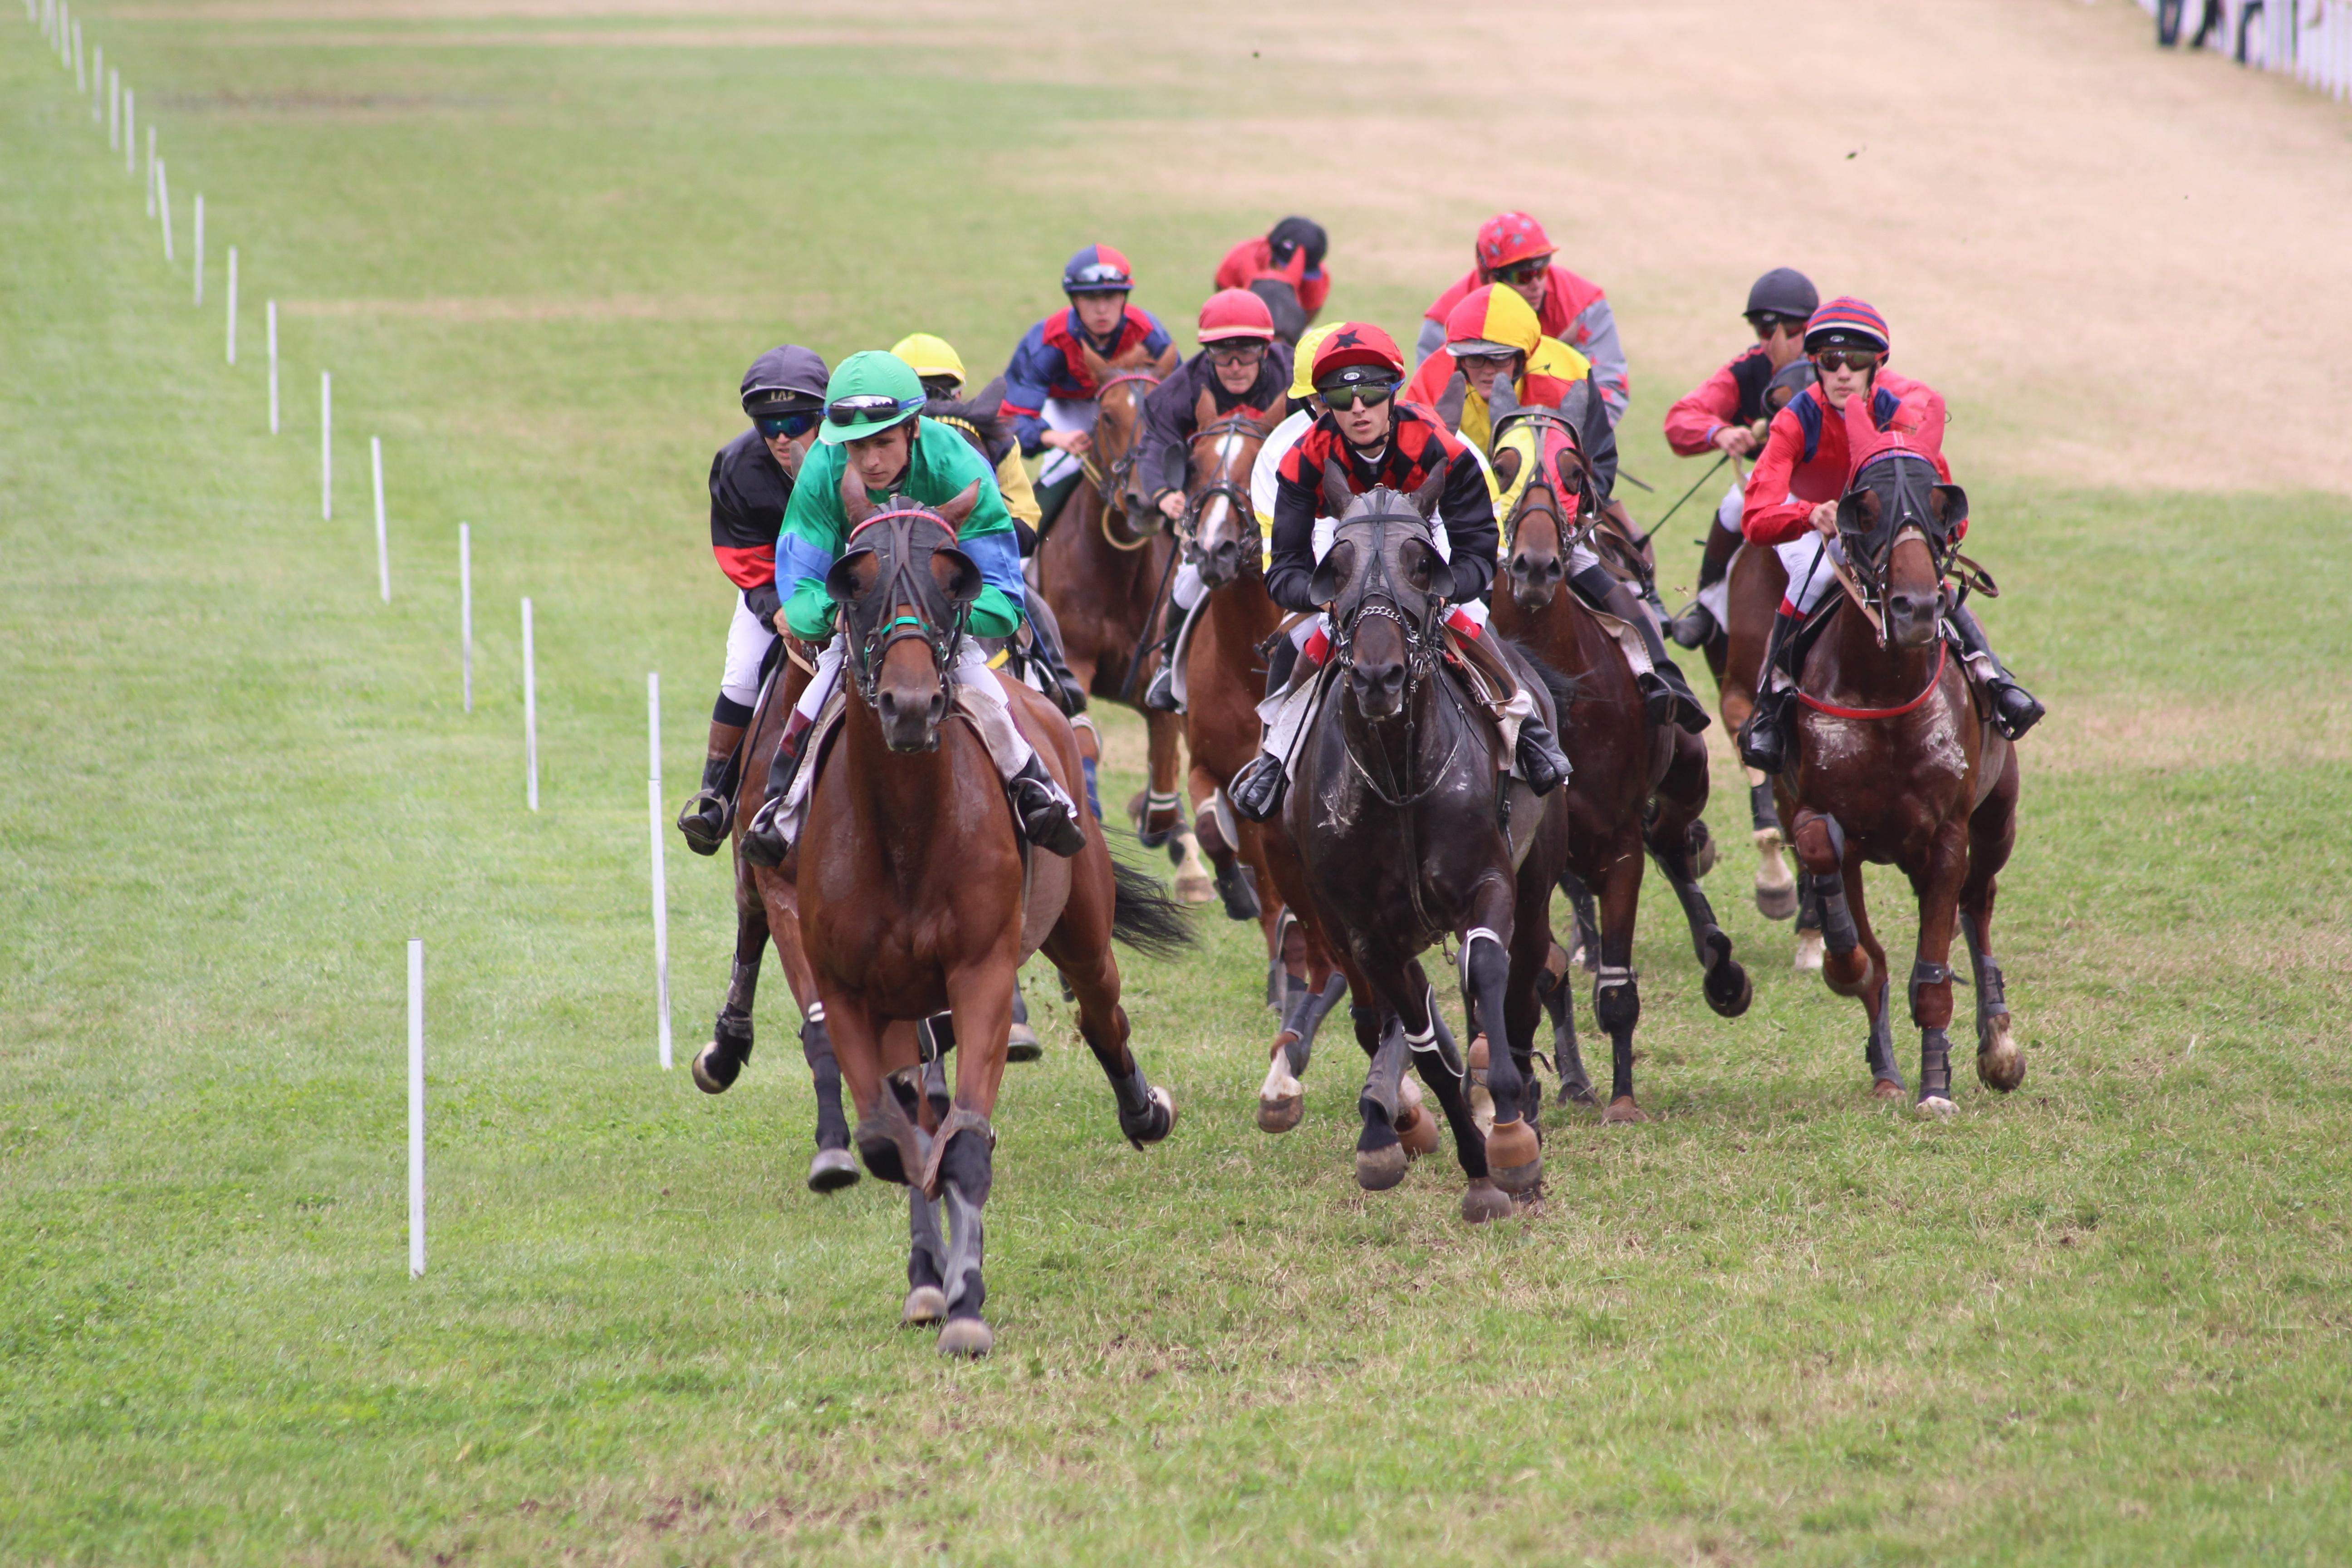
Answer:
[(1764, 738), (763, 840), (1695, 626), (2014, 708), (1045, 647), (709, 812)]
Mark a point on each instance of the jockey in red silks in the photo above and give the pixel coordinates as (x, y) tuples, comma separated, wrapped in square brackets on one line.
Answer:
[(1514, 250), (1375, 439), (1049, 393), (1727, 413), (1791, 506), (1285, 269)]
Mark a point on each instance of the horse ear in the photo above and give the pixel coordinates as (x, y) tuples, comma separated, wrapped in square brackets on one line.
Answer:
[(959, 508), (1324, 586), (1951, 506), (853, 504), (1098, 368), (1337, 492), (1166, 362), (957, 575), (1204, 409), (1425, 499), (1502, 402), (842, 583)]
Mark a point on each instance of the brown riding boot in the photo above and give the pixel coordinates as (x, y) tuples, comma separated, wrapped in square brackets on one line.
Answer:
[(708, 813)]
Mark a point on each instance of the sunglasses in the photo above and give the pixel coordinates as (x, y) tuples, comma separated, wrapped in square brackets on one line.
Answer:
[(1491, 362), (858, 410), (1344, 394), (1847, 359), (1099, 274), (1766, 324), (1236, 354), (793, 424), (1522, 272)]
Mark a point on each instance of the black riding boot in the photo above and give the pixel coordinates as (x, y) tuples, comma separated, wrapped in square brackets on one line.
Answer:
[(1695, 626), (1161, 695), (1255, 792), (2014, 708), (1764, 738), (1048, 818), (709, 812), (1667, 695), (1046, 648), (763, 840)]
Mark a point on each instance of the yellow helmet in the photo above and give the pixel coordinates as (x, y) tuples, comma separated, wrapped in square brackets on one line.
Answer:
[(1302, 379), (929, 355)]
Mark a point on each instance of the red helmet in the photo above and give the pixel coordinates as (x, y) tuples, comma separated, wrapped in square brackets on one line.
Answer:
[(1358, 343), (1236, 313), (1509, 237)]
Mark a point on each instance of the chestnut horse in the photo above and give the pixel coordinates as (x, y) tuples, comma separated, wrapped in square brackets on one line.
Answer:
[(1892, 762), (918, 896), (1105, 565), (1225, 678), (1409, 828), (1636, 784)]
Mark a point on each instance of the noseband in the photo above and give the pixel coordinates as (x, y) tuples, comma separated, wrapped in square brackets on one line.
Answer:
[(899, 584)]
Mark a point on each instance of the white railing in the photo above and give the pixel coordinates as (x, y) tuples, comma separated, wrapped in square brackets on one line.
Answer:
[(2308, 40)]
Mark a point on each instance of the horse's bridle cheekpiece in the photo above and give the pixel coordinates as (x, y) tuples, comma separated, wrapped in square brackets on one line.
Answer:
[(901, 583)]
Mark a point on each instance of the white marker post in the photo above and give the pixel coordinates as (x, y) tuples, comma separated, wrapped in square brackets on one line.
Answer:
[(164, 205), (326, 446), (415, 1109), (81, 81), (272, 313), (383, 552), (466, 609), (130, 131), (200, 248), (661, 883), (98, 83), (114, 110), (529, 712), (232, 304), (151, 171)]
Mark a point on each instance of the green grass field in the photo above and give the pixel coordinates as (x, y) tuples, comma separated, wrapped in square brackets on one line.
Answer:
[(2105, 1320)]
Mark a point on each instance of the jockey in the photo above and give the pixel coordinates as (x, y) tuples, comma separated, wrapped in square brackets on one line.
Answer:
[(1286, 271), (1791, 506), (1242, 368), (1726, 413), (750, 484), (1514, 250), (1049, 393), (1377, 440), (1493, 341), (874, 430), (980, 421)]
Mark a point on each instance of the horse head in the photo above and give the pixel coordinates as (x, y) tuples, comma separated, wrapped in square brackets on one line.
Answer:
[(904, 590), (1386, 586), (1897, 522), (1122, 383), (1224, 534), (1548, 498)]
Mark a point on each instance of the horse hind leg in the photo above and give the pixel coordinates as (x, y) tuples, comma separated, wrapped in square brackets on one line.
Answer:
[(1725, 983), (927, 1263), (1381, 1157), (1992, 830), (1587, 948), (1776, 889), (1558, 998), (1514, 1153), (1080, 948), (719, 1062), (1441, 1067), (1281, 1100)]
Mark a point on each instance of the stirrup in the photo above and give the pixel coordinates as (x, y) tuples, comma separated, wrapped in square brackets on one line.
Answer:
[(1764, 738), (1161, 695), (1049, 819), (1255, 793), (2014, 709), (764, 844), (704, 820)]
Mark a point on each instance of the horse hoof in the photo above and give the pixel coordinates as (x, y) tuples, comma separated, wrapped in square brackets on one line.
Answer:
[(1777, 903), (1575, 1094), (714, 1072), (1023, 1044), (1886, 1089), (1158, 1127), (967, 1337), (1622, 1112), (1282, 1114), (1418, 1135), (831, 1171), (925, 1305), (1514, 1157), (1810, 951), (1193, 886), (1999, 1063), (1484, 1202), (1728, 990), (1935, 1106), (1377, 1170)]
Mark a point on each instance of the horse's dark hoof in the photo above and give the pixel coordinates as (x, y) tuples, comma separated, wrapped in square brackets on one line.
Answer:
[(881, 1157), (1999, 1063), (1160, 1122), (1023, 1044), (1239, 894), (714, 1070), (925, 1305), (1514, 1157), (967, 1337), (832, 1170), (1576, 1093), (1622, 1112), (1484, 1202), (1377, 1170), (1729, 989)]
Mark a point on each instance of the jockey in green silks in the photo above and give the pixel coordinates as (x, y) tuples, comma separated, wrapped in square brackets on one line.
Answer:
[(874, 430)]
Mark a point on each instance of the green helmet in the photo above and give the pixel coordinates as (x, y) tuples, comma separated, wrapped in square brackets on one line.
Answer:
[(870, 391)]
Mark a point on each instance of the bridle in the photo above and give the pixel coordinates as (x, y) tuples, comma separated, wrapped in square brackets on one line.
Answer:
[(1110, 483), (901, 584), (1906, 512), (1544, 478), (1243, 423), (1423, 643)]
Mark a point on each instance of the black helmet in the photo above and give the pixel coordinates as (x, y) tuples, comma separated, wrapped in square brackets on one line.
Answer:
[(1292, 234), (786, 380), (1783, 292)]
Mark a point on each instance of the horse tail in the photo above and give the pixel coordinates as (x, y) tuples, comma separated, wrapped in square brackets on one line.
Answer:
[(1561, 686), (1145, 918)]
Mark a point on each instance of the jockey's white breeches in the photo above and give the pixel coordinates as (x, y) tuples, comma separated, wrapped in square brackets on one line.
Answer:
[(1809, 576), (1060, 415), (748, 643), (1734, 504)]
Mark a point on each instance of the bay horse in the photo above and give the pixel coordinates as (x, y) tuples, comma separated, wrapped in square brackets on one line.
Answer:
[(1636, 786), (1225, 679), (1894, 763), (918, 896), (1105, 565), (1410, 828)]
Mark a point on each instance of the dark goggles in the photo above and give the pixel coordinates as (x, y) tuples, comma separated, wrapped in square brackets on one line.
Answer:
[(1864, 360), (1766, 322), (866, 410), (1349, 394), (1246, 351), (795, 425), (1520, 272)]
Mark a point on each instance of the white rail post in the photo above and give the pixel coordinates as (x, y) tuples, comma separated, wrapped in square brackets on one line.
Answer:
[(661, 884), (416, 1107), (151, 171), (466, 609), (326, 446), (164, 205), (271, 313), (382, 552), (130, 131), (529, 712), (81, 81), (232, 304), (200, 248), (98, 83), (113, 111)]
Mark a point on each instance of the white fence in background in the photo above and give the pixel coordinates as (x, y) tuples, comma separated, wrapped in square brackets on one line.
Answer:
[(2310, 40)]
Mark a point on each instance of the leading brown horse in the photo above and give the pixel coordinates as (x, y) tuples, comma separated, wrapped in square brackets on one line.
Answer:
[(1894, 763), (918, 896), (1105, 565)]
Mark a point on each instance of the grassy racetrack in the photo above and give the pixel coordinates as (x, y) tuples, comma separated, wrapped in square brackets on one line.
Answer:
[(2103, 1320)]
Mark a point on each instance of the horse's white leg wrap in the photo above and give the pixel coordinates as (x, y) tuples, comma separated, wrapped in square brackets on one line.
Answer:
[(980, 698)]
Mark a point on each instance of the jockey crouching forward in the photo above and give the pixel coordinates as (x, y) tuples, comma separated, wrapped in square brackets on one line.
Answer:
[(1514, 250), (1376, 441), (1285, 269), (1241, 369), (875, 438), (751, 485), (1049, 393), (1793, 501)]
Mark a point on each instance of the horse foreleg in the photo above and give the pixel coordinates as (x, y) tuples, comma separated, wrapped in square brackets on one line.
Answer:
[(1937, 885), (1776, 890), (1992, 830), (1616, 991), (1440, 1066), (1513, 1153), (719, 1063), (980, 1004)]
